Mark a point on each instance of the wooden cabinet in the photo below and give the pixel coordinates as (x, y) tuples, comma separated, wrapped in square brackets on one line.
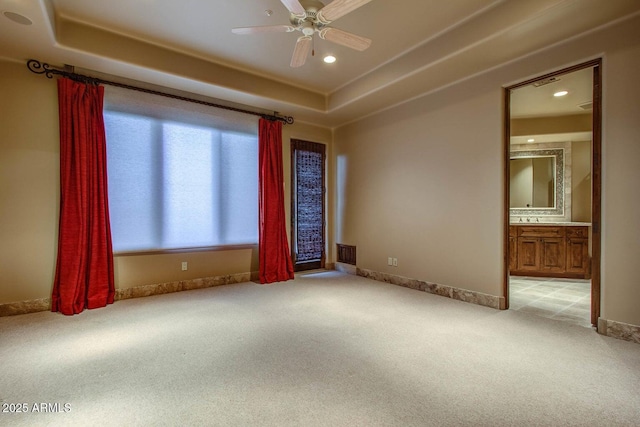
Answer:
[(513, 248), (577, 250), (549, 250)]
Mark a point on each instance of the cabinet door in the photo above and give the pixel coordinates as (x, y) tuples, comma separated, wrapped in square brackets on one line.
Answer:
[(552, 256), (578, 256), (513, 253), (528, 254)]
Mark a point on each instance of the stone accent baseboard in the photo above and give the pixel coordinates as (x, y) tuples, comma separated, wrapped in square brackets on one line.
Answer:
[(434, 288), (182, 285), (44, 304), (623, 331), (25, 307)]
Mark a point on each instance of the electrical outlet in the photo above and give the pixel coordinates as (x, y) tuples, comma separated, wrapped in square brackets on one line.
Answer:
[(389, 261), (395, 262), (184, 266)]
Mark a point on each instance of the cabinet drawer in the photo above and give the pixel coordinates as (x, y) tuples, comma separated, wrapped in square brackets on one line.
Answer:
[(577, 232), (540, 231), (513, 231)]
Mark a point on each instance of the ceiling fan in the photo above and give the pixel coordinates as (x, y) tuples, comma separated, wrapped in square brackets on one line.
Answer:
[(310, 17)]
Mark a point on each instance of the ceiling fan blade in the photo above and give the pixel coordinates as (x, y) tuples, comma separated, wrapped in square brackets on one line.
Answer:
[(301, 51), (294, 7), (344, 38), (264, 29), (338, 8)]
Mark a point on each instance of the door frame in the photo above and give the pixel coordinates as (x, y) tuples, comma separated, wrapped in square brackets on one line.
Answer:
[(596, 179), (294, 208)]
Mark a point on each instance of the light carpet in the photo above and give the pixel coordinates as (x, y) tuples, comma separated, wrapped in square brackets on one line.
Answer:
[(327, 349)]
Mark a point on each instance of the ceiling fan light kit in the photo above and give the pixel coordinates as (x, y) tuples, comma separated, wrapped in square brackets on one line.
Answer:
[(311, 17)]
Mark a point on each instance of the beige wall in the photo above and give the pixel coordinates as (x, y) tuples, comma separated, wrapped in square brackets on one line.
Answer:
[(621, 176), (551, 125), (29, 181), (424, 182), (581, 181), (29, 199)]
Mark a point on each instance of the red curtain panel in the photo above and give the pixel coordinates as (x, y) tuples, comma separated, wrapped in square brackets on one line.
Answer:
[(273, 249), (84, 269)]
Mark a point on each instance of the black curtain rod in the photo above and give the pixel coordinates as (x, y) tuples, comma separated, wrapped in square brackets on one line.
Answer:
[(38, 67)]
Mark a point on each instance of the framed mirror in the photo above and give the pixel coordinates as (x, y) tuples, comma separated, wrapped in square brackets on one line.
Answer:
[(537, 183)]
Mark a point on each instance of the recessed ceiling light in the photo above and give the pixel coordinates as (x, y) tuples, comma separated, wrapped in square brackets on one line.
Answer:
[(561, 93), (16, 17), (329, 59), (531, 140)]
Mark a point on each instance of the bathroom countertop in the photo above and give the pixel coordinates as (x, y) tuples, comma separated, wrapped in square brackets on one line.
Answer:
[(566, 224)]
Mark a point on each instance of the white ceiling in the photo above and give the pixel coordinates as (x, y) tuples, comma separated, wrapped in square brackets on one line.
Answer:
[(418, 46), (536, 101), (204, 28), (539, 101)]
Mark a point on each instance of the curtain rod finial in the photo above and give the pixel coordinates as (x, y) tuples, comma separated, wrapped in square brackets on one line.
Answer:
[(38, 67)]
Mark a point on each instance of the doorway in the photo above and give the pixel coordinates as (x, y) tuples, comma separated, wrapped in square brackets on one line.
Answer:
[(556, 272), (307, 205)]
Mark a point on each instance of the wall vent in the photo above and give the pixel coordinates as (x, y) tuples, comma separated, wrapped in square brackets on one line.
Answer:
[(545, 81), (586, 106), (346, 254)]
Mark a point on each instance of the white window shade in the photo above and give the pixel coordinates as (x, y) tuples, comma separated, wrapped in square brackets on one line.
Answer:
[(181, 175)]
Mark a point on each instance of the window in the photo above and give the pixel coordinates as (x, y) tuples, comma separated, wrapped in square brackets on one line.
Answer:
[(181, 183), (307, 209)]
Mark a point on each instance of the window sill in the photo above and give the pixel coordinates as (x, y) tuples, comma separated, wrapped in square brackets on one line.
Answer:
[(183, 250)]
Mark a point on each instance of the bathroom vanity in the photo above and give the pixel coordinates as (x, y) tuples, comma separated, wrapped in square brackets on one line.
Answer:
[(549, 250), (542, 239)]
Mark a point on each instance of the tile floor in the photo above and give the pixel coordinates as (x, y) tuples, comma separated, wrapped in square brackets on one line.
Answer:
[(561, 299)]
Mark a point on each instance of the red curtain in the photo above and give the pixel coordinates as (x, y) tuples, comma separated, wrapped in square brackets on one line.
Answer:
[(273, 249), (84, 270)]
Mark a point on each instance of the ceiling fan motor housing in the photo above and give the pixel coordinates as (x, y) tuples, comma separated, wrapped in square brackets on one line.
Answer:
[(309, 21), (310, 17)]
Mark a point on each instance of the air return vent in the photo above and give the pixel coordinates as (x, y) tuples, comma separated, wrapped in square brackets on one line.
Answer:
[(346, 254), (586, 106), (545, 81)]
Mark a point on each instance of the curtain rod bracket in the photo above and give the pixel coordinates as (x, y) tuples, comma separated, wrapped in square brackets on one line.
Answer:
[(38, 67)]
